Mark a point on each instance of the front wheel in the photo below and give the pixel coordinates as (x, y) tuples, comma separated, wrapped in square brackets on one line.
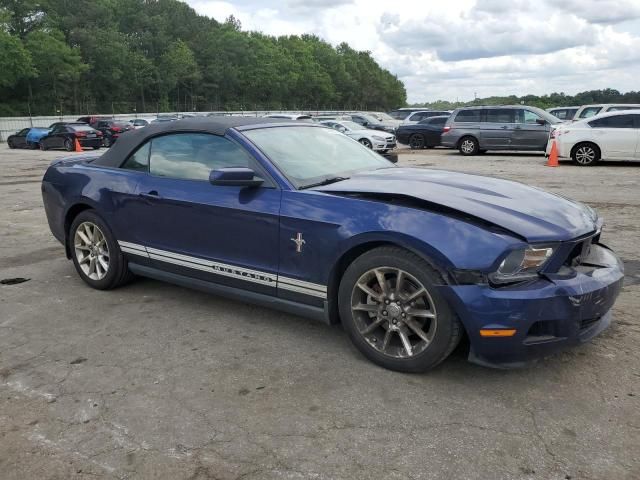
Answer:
[(95, 252), (393, 312), (11, 145), (585, 154), (366, 142), (469, 146)]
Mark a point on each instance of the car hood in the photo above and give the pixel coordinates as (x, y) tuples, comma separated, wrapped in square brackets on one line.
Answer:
[(529, 212)]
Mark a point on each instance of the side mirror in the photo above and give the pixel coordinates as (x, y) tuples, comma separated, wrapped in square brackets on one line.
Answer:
[(365, 124), (235, 176), (342, 129), (541, 121)]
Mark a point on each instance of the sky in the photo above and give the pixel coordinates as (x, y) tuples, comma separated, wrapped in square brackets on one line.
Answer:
[(457, 49)]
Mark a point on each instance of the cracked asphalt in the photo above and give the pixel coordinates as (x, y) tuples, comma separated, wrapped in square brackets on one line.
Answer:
[(156, 381)]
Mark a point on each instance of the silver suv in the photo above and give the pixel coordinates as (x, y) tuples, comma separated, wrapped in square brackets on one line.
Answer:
[(475, 130)]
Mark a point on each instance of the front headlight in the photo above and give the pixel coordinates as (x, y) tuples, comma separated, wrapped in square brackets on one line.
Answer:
[(377, 138), (523, 264)]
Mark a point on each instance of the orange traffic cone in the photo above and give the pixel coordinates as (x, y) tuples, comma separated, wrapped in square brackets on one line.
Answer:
[(78, 147), (553, 156)]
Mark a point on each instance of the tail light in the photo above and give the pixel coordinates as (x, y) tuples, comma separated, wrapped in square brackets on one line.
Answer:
[(446, 129), (557, 132), (99, 133), (115, 129)]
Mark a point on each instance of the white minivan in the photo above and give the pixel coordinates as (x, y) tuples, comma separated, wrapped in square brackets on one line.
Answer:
[(608, 136)]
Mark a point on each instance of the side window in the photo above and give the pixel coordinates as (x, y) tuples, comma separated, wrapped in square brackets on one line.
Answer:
[(590, 112), (439, 121), (617, 121), (192, 156), (468, 116), (501, 115), (23, 132), (138, 160), (526, 116)]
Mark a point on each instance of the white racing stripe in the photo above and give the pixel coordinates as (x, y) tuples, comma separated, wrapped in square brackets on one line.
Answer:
[(226, 270)]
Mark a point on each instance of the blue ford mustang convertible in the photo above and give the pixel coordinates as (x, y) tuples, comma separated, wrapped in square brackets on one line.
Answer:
[(300, 217)]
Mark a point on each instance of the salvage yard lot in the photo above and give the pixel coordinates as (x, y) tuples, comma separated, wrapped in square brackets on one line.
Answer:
[(153, 380)]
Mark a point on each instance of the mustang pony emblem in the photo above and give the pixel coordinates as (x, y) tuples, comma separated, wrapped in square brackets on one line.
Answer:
[(299, 241)]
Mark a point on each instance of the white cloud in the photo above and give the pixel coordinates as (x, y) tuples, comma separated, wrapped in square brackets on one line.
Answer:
[(449, 50)]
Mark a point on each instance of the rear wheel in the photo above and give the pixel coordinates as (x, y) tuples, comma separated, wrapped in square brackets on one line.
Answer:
[(68, 145), (585, 154), (366, 142), (393, 312), (95, 252), (469, 146), (416, 141), (43, 147)]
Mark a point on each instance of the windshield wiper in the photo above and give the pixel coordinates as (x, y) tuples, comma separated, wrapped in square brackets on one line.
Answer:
[(326, 181)]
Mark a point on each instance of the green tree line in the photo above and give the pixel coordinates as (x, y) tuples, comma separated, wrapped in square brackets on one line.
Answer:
[(86, 56), (607, 95)]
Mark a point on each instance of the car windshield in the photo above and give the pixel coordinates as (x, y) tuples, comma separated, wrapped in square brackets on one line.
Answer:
[(383, 117), (400, 114), (311, 155), (351, 125)]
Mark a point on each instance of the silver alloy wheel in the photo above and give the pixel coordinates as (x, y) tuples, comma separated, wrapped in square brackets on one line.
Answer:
[(366, 143), (393, 312), (585, 155), (92, 251), (467, 146)]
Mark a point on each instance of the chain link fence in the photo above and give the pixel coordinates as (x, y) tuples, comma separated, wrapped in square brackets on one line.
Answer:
[(11, 125)]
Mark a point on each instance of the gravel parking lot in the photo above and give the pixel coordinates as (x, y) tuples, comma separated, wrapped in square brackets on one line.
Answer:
[(156, 381)]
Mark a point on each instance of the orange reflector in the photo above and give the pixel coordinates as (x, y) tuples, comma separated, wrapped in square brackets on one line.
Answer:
[(501, 332)]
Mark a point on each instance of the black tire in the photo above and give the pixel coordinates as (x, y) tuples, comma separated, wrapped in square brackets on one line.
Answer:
[(118, 272), (366, 142), (448, 331), (416, 141), (107, 141), (585, 154), (97, 148), (468, 146), (33, 146), (68, 145), (11, 145), (43, 147)]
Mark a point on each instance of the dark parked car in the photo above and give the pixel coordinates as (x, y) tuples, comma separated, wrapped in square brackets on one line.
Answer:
[(27, 138), (424, 134), (301, 217), (475, 130), (65, 135), (111, 130)]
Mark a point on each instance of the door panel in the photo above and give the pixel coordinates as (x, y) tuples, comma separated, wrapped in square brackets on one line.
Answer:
[(199, 229), (527, 134), (497, 128)]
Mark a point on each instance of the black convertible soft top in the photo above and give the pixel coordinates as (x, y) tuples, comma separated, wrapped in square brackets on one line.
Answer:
[(129, 141)]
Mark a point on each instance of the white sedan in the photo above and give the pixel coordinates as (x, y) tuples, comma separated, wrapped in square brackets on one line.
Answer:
[(374, 139), (608, 136)]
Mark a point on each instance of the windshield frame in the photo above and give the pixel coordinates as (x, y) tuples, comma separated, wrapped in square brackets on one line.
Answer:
[(245, 133)]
